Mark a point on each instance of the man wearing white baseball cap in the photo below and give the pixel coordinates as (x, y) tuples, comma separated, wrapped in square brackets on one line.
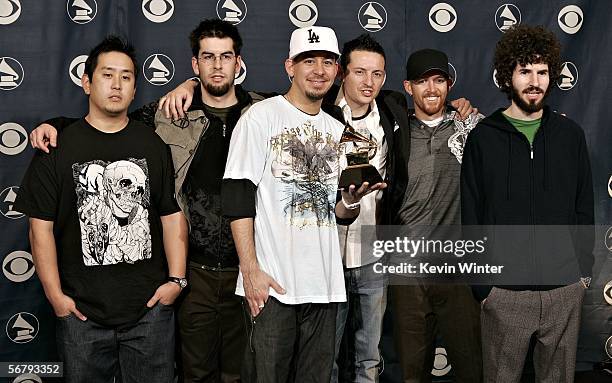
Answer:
[(280, 190)]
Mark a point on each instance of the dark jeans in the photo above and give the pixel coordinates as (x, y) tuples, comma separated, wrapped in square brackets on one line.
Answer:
[(143, 352), (211, 326), (290, 343), (420, 313)]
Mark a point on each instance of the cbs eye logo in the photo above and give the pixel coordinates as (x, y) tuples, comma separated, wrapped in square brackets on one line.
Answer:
[(570, 19), (303, 13), (442, 17), (76, 69), (158, 11), (18, 266), (453, 74), (441, 366), (27, 378), (608, 239), (9, 11), (13, 138), (241, 74), (607, 292)]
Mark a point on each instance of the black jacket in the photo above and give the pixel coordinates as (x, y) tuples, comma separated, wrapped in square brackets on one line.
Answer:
[(506, 181)]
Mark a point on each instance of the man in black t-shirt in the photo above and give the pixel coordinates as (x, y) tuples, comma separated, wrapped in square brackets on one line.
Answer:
[(107, 235), (209, 315)]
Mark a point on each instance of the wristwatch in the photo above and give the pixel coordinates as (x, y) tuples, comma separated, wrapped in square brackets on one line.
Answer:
[(182, 282)]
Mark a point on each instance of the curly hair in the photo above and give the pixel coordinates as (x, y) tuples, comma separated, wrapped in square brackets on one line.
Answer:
[(522, 45)]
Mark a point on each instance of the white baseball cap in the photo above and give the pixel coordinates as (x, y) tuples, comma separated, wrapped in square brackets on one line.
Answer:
[(313, 39)]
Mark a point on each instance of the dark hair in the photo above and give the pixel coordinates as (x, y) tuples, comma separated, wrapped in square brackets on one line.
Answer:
[(522, 45), (364, 42), (111, 43), (214, 28)]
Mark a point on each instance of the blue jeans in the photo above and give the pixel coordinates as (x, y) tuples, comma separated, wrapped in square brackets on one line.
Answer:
[(362, 317), (142, 352)]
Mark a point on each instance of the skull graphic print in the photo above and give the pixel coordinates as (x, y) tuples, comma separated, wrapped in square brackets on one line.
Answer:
[(112, 203)]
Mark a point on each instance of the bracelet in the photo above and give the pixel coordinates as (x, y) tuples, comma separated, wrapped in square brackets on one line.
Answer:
[(351, 206), (195, 78)]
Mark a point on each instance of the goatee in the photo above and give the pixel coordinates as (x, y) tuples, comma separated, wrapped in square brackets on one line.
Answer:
[(217, 91), (528, 107)]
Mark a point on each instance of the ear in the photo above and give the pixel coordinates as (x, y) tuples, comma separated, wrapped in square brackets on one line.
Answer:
[(85, 83), (449, 82), (408, 87), (194, 66), (289, 68), (238, 64)]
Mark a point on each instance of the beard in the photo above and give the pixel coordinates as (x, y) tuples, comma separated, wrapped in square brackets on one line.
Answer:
[(531, 106), (428, 108), (217, 90), (315, 96)]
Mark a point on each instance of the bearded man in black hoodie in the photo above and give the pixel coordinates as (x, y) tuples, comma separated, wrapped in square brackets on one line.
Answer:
[(509, 163)]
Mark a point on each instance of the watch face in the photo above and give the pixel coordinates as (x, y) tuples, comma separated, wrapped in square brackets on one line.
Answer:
[(183, 283)]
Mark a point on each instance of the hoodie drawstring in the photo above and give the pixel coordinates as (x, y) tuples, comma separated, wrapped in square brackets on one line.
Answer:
[(545, 161), (508, 189)]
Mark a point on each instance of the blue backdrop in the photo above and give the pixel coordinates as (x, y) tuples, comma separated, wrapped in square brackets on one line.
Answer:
[(43, 44)]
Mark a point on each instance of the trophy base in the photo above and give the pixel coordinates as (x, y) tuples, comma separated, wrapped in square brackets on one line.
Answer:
[(358, 174)]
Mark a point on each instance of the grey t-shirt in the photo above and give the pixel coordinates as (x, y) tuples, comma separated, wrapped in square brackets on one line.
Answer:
[(432, 191)]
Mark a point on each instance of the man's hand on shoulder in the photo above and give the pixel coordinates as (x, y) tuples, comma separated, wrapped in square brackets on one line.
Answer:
[(464, 107), (177, 102), (43, 136)]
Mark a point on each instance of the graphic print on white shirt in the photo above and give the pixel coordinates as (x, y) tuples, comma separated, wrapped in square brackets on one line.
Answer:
[(112, 203), (307, 164)]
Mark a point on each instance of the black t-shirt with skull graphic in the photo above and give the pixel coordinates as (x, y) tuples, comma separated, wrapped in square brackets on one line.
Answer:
[(105, 193)]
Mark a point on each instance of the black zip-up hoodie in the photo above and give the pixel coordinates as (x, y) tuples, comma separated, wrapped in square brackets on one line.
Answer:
[(507, 181)]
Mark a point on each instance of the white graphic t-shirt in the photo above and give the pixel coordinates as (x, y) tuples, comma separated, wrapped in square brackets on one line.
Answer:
[(112, 202), (293, 158)]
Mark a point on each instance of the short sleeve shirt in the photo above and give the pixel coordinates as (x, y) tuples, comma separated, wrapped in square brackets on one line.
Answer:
[(293, 159), (105, 193)]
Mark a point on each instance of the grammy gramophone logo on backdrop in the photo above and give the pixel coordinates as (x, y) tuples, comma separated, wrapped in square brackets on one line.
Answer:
[(568, 78), (233, 11), (158, 69), (372, 16), (82, 11), (507, 16), (11, 73), (22, 327)]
